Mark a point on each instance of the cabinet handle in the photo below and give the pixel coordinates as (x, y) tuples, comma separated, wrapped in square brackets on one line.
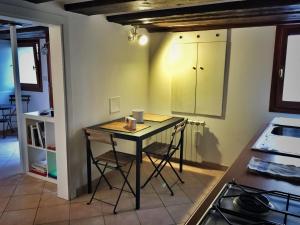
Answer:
[(201, 68), (194, 68), (281, 73)]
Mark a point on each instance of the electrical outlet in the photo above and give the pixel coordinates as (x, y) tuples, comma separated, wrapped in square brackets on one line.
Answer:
[(114, 104)]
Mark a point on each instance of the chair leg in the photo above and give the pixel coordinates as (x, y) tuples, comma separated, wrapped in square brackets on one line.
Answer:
[(154, 171), (126, 178), (95, 190), (159, 173), (102, 174), (123, 185), (167, 159), (100, 178), (179, 178)]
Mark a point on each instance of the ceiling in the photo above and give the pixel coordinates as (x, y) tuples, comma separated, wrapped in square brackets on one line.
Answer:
[(185, 15)]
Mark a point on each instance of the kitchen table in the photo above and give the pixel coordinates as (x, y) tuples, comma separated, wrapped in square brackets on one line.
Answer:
[(137, 137)]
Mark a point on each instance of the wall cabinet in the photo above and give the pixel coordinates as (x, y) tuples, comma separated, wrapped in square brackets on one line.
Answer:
[(198, 72)]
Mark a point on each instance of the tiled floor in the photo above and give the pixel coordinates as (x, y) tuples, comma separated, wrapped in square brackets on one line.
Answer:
[(9, 156), (25, 201)]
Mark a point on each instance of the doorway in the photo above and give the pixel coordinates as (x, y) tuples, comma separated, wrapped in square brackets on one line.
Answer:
[(35, 87)]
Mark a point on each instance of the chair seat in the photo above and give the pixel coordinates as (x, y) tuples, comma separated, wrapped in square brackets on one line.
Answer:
[(109, 157), (157, 148)]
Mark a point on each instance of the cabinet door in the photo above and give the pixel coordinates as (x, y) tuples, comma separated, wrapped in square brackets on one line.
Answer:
[(183, 71), (210, 78)]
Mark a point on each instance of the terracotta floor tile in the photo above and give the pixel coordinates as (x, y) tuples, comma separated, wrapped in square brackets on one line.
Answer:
[(50, 187), (50, 199), (82, 198), (57, 223), (23, 202), (6, 191), (126, 218), (29, 180), (88, 221), (181, 213), (179, 198), (154, 216), (22, 191), (13, 180), (52, 214), (82, 210), (150, 201), (3, 203), (196, 194), (20, 217), (29, 189), (125, 204)]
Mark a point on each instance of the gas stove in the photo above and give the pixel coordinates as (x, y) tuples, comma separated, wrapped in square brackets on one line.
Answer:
[(238, 204)]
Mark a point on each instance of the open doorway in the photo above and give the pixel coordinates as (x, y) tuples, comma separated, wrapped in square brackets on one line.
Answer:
[(35, 82)]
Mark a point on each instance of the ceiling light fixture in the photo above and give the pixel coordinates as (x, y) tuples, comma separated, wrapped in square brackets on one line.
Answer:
[(134, 36)]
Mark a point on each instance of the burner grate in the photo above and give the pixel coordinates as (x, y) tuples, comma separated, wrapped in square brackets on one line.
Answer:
[(254, 206)]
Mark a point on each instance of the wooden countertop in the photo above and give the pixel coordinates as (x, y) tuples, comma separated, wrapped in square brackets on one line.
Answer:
[(238, 171)]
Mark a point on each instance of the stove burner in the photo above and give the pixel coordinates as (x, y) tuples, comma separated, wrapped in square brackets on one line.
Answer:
[(252, 203)]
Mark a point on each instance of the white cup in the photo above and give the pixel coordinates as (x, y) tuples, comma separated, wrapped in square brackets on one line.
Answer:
[(138, 114), (130, 122)]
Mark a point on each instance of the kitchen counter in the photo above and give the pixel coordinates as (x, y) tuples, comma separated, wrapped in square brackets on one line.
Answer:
[(238, 172)]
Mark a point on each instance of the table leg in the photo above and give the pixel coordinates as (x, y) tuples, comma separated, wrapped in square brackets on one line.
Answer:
[(139, 146), (181, 151), (88, 165)]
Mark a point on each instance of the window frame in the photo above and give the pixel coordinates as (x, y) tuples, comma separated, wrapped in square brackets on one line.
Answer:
[(35, 44), (280, 50)]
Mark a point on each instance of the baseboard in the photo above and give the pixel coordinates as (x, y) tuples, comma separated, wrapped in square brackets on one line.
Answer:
[(204, 164)]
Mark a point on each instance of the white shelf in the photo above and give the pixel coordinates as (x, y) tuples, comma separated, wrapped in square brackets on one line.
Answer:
[(36, 116), (49, 179), (40, 148), (37, 153)]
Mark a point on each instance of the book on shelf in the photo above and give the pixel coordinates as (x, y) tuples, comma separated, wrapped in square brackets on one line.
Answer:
[(41, 133), (32, 135), (29, 139), (39, 167), (51, 147), (37, 134)]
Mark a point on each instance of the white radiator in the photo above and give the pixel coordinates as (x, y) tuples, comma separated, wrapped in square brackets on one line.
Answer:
[(193, 139)]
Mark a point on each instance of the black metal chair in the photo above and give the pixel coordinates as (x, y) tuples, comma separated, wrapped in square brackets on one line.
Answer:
[(5, 124), (164, 153), (111, 159)]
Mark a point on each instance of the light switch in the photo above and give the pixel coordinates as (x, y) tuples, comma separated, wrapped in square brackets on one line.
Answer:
[(114, 104)]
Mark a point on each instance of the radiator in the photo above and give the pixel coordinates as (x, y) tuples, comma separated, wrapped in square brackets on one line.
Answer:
[(193, 140)]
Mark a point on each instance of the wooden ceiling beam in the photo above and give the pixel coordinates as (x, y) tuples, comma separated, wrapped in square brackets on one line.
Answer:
[(224, 15), (94, 7), (38, 1)]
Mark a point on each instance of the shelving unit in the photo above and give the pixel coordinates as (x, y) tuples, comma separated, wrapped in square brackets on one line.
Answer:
[(41, 153)]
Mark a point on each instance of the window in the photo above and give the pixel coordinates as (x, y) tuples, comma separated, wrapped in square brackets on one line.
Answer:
[(285, 91), (29, 65)]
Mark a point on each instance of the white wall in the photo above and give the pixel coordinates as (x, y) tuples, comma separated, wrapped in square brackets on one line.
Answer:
[(103, 65), (247, 95), (99, 63)]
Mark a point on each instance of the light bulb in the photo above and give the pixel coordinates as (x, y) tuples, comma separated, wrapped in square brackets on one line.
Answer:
[(143, 39)]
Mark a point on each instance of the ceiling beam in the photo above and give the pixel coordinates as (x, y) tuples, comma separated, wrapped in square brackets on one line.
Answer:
[(223, 15), (38, 1), (95, 7)]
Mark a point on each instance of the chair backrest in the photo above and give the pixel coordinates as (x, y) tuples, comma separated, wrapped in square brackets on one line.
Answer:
[(178, 128), (102, 137)]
